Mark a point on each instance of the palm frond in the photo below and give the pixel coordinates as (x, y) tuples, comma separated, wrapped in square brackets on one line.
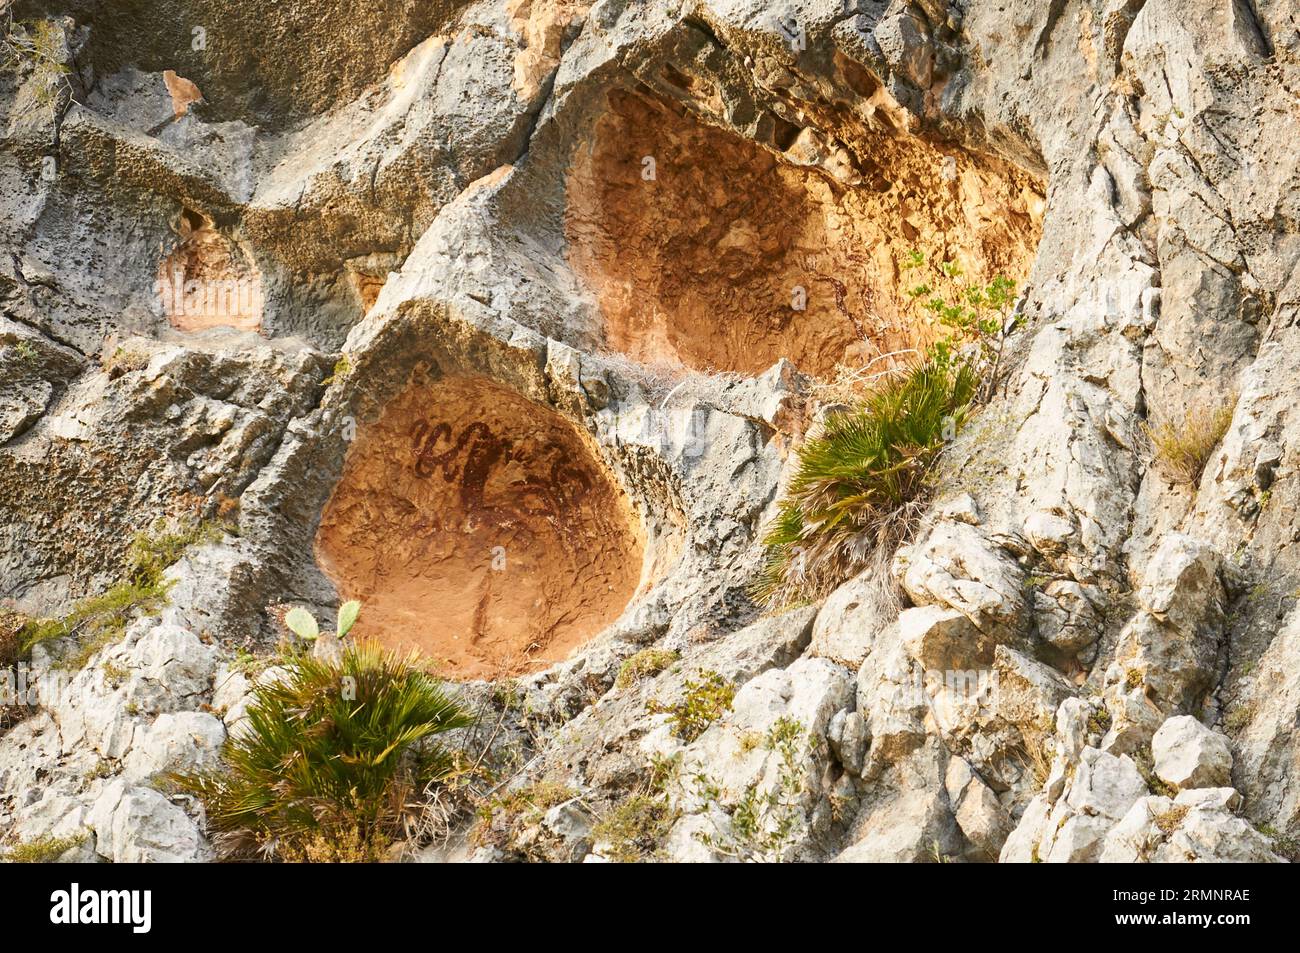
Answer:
[(335, 746), (859, 483)]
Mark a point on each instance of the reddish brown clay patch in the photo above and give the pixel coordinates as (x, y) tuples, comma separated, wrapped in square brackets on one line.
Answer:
[(183, 92), (207, 281), (728, 258), (479, 528)]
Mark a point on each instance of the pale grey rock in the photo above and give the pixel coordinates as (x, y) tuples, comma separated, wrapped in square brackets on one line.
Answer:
[(429, 156), (1028, 692), (1227, 799), (1073, 827), (175, 742), (1079, 840), (736, 755), (1105, 785), (1072, 727), (1048, 532), (976, 808), (1192, 830), (1189, 755), (957, 566), (849, 621), (905, 815), (147, 828), (961, 509), (1022, 844), (1167, 655), (942, 639), (1182, 585), (688, 841), (849, 739), (1067, 616), (230, 693)]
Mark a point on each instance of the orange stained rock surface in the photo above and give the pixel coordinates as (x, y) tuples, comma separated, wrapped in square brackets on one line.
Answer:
[(705, 249), (207, 280), (182, 91), (479, 528)]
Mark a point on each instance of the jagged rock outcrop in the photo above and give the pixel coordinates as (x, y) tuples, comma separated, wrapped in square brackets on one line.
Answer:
[(651, 227)]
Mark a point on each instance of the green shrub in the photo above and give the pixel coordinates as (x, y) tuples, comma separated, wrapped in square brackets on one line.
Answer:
[(704, 701), (767, 816), (38, 46), (335, 749), (632, 830), (860, 484), (979, 318), (42, 850)]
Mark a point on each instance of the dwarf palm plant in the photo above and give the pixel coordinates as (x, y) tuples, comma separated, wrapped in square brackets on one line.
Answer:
[(332, 750), (860, 483)]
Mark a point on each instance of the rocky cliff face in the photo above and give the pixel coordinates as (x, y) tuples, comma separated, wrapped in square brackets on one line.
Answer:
[(505, 317)]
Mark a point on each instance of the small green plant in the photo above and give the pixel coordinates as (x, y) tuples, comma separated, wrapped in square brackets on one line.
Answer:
[(1146, 767), (342, 367), (116, 673), (530, 801), (303, 624), (103, 769), (510, 821), (123, 360), (1239, 716), (632, 830), (643, 664), (1168, 821), (704, 700), (334, 750), (982, 315), (1283, 844), (1183, 446), (1099, 721), (860, 485), (42, 850), (24, 351), (766, 818), (101, 620)]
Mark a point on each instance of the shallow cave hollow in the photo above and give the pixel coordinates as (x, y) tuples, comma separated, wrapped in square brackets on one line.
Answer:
[(706, 250), (479, 528)]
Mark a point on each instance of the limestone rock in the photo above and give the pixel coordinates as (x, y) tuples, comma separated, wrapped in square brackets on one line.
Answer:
[(1189, 755), (176, 741), (147, 828), (460, 192)]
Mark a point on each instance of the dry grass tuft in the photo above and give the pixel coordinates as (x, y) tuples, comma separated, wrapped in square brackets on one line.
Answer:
[(1183, 447)]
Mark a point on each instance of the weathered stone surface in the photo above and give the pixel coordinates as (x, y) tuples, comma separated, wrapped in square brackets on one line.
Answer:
[(460, 190), (905, 815), (958, 566), (1189, 755), (147, 828), (176, 741), (774, 735), (1160, 830)]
